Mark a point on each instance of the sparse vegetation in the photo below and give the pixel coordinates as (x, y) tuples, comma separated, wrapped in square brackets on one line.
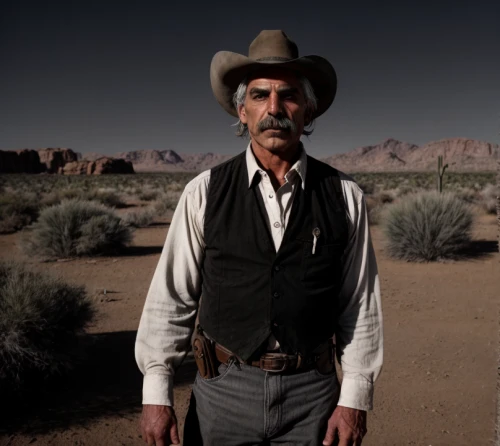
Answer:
[(140, 218), (161, 192), (35, 192), (428, 226), (17, 210), (167, 202), (41, 318), (489, 198), (76, 228), (107, 197), (147, 194)]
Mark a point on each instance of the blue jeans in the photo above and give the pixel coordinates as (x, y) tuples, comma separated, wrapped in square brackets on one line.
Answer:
[(245, 405)]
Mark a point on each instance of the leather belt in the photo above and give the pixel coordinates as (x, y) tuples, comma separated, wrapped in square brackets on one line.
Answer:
[(280, 362)]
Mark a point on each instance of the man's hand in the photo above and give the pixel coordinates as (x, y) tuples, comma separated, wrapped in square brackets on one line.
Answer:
[(159, 425), (349, 425)]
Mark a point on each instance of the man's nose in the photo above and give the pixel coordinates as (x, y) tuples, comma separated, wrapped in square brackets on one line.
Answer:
[(274, 104)]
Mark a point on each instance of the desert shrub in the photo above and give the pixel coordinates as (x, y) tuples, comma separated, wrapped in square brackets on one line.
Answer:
[(367, 188), (147, 195), (55, 197), (374, 210), (489, 198), (41, 318), (141, 218), (466, 194), (428, 226), (17, 210), (166, 202), (107, 197), (75, 228)]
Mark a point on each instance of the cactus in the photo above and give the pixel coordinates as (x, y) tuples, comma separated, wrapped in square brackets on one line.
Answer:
[(441, 171)]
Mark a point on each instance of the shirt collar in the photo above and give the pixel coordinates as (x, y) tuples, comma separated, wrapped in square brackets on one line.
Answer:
[(299, 167)]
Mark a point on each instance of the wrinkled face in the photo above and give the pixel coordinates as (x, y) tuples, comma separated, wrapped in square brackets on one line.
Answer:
[(275, 111)]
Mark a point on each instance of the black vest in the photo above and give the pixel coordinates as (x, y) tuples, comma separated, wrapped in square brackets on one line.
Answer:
[(250, 290)]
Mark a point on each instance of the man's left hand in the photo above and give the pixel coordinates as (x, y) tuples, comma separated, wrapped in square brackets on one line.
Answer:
[(346, 424)]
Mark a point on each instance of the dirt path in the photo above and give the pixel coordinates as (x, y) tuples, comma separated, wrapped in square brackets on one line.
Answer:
[(437, 387)]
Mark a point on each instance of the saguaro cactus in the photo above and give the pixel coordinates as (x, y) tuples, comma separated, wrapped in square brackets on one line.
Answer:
[(441, 171)]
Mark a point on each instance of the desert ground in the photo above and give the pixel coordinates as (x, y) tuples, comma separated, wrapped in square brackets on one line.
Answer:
[(441, 348)]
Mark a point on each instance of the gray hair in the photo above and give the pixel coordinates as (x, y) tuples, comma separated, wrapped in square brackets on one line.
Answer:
[(311, 104)]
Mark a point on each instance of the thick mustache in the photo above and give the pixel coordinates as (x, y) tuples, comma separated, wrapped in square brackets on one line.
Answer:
[(282, 123)]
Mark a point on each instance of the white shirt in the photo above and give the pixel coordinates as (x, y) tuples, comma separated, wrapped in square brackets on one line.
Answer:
[(167, 322)]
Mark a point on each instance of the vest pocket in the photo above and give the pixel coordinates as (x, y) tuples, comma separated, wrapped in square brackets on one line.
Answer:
[(321, 263)]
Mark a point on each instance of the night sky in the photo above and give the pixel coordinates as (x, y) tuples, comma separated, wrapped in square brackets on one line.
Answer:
[(105, 76)]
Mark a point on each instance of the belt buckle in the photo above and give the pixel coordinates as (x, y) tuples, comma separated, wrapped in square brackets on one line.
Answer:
[(283, 358)]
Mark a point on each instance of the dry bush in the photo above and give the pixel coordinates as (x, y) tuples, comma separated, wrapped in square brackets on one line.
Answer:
[(140, 218), (40, 320), (148, 194), (489, 198), (17, 210), (428, 226), (75, 228), (105, 196), (374, 210), (166, 202), (376, 205)]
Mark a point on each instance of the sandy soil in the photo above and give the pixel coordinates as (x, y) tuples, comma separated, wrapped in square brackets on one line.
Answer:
[(437, 387)]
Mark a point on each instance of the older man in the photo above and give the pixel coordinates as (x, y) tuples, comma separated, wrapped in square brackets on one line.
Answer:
[(277, 245)]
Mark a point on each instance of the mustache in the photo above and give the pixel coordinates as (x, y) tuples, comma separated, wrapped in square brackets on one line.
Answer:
[(281, 122)]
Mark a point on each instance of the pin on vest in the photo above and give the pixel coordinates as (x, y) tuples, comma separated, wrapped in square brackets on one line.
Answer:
[(316, 234)]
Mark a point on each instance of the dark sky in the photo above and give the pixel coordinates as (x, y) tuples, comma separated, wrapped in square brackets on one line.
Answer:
[(112, 76)]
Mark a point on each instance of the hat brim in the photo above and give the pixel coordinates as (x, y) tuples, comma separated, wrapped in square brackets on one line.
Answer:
[(228, 69)]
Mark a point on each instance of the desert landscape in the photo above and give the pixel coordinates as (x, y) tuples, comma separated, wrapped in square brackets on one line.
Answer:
[(438, 386)]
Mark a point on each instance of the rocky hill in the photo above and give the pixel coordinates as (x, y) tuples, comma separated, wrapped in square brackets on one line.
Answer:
[(35, 161), (99, 166), (167, 160), (461, 154), (62, 161)]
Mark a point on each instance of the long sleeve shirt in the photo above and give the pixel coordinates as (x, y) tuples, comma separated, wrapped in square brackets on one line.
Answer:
[(169, 314)]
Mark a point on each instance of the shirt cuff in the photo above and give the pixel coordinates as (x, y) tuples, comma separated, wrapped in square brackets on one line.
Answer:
[(356, 394), (158, 390)]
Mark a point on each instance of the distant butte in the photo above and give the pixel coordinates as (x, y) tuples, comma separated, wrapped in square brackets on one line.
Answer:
[(391, 155)]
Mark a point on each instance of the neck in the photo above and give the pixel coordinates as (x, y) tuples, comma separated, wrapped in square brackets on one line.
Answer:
[(276, 164)]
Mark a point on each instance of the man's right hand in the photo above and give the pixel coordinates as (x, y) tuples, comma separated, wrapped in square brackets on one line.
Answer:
[(159, 425)]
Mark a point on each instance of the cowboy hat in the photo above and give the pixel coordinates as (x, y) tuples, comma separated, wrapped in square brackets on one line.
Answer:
[(271, 48)]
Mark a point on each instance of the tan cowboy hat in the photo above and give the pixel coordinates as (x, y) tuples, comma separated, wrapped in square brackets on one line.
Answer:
[(271, 48)]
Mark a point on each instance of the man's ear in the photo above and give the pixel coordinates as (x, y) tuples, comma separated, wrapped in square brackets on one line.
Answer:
[(242, 114)]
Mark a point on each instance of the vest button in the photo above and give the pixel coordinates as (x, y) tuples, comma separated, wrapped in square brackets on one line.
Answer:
[(276, 294), (276, 268)]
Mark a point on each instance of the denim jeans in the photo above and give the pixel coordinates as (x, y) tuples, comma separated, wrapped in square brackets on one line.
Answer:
[(245, 405)]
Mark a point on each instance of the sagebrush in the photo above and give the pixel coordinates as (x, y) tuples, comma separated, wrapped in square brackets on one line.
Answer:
[(140, 218), (428, 226), (76, 228), (17, 210), (41, 318)]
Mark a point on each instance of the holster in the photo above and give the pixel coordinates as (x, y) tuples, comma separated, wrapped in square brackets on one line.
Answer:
[(204, 354)]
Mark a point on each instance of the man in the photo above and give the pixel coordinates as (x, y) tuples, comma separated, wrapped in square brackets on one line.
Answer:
[(278, 247)]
